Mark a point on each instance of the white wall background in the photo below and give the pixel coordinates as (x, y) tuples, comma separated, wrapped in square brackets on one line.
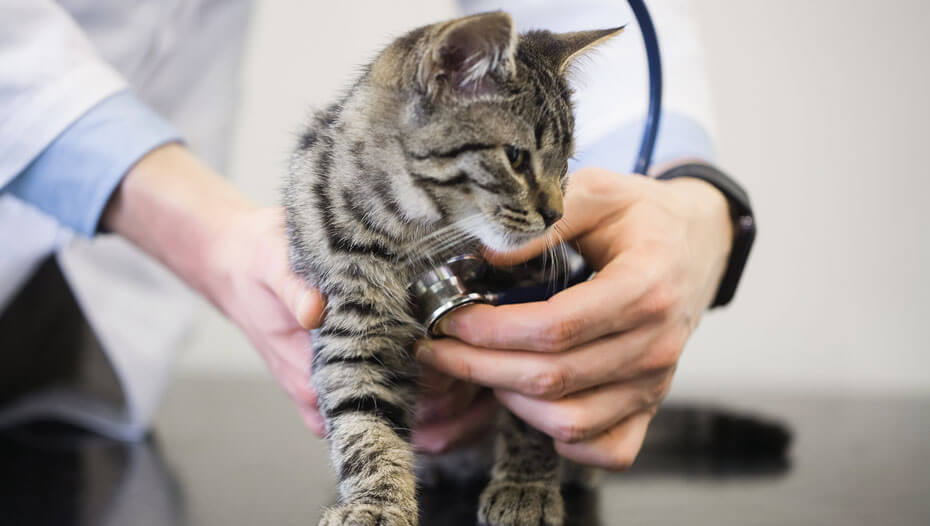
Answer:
[(823, 109)]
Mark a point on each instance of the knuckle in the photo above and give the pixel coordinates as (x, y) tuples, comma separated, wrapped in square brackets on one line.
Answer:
[(465, 371), (559, 334), (653, 394), (547, 382), (663, 355), (620, 459), (570, 433), (571, 429), (661, 389), (659, 301)]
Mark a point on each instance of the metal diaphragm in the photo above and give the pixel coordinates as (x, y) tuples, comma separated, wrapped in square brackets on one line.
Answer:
[(448, 287)]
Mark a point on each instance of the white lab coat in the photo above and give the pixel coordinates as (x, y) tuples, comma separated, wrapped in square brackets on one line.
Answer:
[(59, 58)]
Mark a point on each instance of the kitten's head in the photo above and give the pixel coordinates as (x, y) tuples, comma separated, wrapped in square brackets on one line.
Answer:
[(485, 121)]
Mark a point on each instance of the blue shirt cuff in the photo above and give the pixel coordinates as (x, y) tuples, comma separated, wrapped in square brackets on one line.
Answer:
[(680, 137), (73, 178)]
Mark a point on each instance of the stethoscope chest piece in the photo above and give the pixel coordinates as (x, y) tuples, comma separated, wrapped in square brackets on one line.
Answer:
[(447, 287), (464, 280)]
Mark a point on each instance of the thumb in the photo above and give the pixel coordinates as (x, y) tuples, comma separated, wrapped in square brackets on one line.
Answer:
[(592, 195), (304, 302)]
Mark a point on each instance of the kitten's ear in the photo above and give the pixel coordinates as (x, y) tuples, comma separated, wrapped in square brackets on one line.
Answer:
[(572, 45), (469, 55)]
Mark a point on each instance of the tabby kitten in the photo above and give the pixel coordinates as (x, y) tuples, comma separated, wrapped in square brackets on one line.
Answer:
[(458, 134)]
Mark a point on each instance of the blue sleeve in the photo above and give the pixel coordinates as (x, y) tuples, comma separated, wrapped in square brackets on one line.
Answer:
[(680, 137), (74, 176)]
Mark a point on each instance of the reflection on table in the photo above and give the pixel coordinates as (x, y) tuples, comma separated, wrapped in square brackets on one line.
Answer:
[(236, 455)]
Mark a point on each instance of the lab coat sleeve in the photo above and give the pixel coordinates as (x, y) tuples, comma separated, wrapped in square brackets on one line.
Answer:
[(65, 139), (611, 82), (73, 177)]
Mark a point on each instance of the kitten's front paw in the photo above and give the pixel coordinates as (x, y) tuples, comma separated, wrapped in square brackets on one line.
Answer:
[(513, 504), (367, 515)]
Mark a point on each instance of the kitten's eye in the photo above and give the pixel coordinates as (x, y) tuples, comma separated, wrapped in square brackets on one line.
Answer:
[(516, 156)]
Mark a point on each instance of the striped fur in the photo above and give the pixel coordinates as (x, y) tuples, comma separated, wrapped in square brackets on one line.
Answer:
[(412, 165)]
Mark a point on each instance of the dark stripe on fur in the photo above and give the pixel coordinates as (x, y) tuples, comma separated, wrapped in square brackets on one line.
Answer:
[(395, 416), (454, 152), (383, 191), (530, 177), (307, 139), (343, 332), (360, 308), (539, 131), (337, 241), (322, 360), (515, 219), (460, 179), (437, 203), (362, 216)]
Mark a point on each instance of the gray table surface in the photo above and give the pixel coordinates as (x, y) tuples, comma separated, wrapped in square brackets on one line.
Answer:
[(233, 452)]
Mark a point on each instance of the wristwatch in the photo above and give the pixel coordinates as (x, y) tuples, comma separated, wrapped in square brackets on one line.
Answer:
[(744, 223)]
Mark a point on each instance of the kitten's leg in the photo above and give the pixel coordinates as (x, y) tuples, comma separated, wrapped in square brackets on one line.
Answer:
[(366, 388), (524, 487)]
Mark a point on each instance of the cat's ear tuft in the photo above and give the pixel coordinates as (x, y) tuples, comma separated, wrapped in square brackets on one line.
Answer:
[(469, 56), (573, 45)]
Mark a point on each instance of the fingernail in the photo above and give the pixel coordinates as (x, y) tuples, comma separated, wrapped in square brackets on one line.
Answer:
[(447, 326), (422, 351), (302, 309)]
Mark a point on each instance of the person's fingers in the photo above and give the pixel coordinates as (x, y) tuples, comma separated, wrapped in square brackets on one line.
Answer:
[(448, 404), (441, 436), (607, 304), (274, 270), (588, 413), (297, 385), (304, 302), (293, 350), (313, 420), (648, 349), (309, 309), (614, 449), (434, 382), (592, 194)]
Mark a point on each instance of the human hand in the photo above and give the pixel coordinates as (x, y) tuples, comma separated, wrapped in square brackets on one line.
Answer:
[(234, 253), (590, 365), (450, 412), (256, 288)]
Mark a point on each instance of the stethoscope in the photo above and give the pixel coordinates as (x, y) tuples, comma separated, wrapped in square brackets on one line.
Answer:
[(467, 279)]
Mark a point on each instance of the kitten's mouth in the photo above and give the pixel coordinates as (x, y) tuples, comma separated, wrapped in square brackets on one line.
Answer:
[(505, 238)]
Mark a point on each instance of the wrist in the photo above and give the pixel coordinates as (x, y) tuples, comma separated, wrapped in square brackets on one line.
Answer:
[(742, 225), (706, 205), (711, 231), (175, 208)]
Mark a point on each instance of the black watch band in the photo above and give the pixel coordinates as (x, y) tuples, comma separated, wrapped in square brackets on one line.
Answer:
[(744, 223)]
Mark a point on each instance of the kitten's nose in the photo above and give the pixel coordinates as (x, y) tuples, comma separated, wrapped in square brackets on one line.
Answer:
[(550, 215)]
